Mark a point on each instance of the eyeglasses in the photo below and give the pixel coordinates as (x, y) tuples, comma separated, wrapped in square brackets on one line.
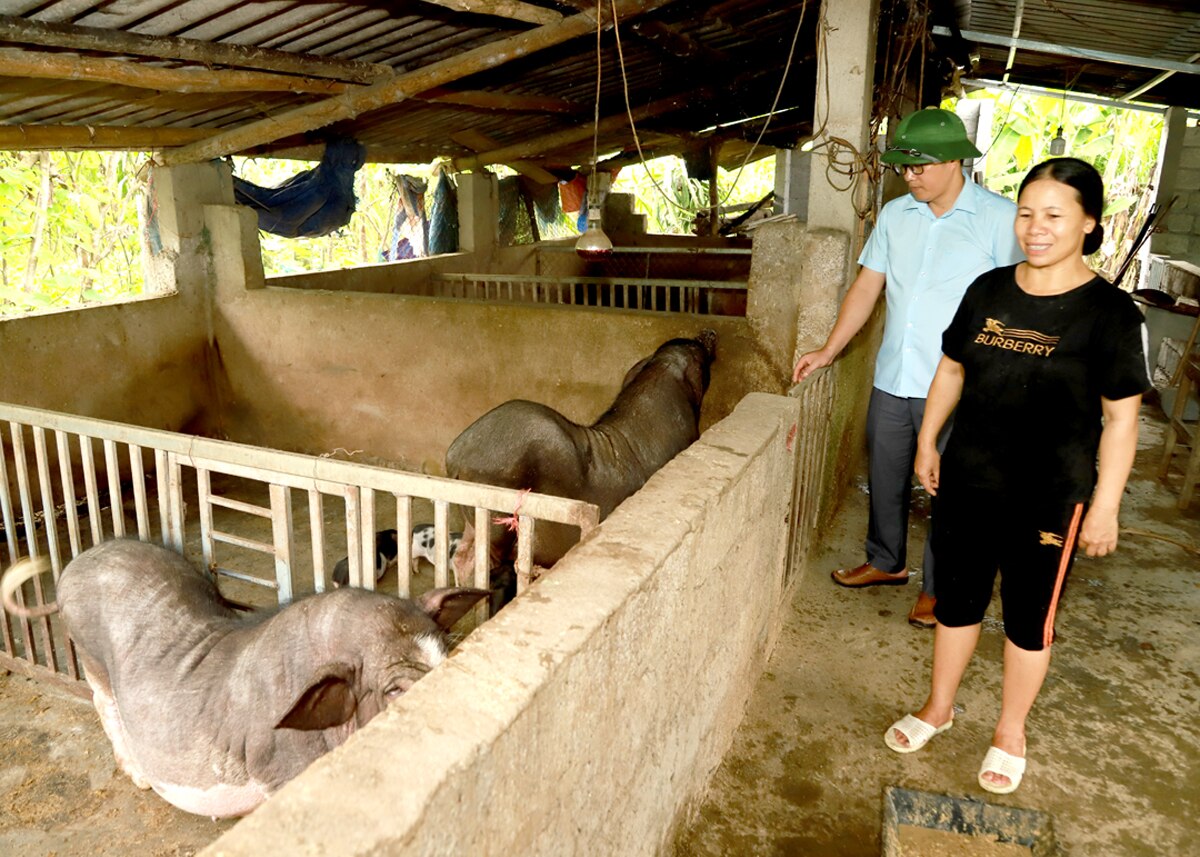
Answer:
[(916, 169)]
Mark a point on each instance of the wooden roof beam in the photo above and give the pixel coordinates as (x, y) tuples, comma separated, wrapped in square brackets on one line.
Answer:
[(120, 138), (508, 101), (561, 139), (56, 66), (681, 46), (54, 137), (46, 34), (513, 9), (476, 142), (399, 88)]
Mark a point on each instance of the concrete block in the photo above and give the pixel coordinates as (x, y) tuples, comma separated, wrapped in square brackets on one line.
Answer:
[(1187, 180), (236, 253), (1179, 222), (1189, 158), (1171, 245)]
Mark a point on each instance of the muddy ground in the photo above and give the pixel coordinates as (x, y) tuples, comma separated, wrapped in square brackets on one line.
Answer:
[(1114, 740)]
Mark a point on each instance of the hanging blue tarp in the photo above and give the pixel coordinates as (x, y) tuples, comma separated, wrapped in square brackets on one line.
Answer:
[(443, 216), (314, 202)]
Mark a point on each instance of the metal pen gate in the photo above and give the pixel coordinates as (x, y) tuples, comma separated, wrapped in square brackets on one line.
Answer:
[(810, 445), (703, 297), (42, 494)]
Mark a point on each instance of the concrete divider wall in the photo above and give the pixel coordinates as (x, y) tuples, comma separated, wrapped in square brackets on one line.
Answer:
[(588, 716), (399, 376)]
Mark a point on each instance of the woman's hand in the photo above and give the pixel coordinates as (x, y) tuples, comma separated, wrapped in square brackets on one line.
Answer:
[(1098, 535), (928, 467)]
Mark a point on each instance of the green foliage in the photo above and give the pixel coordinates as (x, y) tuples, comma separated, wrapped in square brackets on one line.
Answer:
[(79, 212), (1121, 144), (359, 242), (671, 207)]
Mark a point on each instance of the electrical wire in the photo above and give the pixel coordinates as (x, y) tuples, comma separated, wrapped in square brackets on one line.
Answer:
[(845, 167), (633, 126), (593, 194)]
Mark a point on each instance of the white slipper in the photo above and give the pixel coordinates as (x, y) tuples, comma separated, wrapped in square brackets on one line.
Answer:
[(1006, 765), (916, 730)]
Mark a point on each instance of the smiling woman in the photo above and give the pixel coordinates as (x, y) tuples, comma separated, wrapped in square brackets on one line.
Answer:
[(1058, 222), (1043, 369)]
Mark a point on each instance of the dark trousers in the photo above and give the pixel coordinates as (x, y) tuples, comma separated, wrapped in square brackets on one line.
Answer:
[(892, 426)]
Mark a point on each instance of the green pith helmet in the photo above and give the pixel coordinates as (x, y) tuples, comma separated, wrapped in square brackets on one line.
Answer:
[(930, 136)]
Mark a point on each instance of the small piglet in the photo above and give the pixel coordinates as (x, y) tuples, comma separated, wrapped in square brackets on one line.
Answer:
[(385, 558), (424, 544), (216, 710)]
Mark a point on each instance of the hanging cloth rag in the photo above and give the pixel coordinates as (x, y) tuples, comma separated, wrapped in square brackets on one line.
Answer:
[(410, 226), (314, 202)]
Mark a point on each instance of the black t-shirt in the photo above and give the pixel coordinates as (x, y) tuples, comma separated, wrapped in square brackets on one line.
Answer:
[(1028, 423)]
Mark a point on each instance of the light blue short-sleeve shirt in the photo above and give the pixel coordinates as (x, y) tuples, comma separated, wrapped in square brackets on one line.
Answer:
[(929, 262)]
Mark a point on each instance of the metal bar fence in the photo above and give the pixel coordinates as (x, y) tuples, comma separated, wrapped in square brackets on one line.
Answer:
[(642, 294), (810, 446), (182, 472)]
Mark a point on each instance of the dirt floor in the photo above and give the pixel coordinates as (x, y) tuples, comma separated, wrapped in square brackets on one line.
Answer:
[(63, 792), (1114, 740)]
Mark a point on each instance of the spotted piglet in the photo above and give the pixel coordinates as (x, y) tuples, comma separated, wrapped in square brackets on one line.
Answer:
[(385, 559), (424, 544)]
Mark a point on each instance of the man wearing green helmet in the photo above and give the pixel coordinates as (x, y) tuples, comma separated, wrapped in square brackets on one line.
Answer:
[(926, 248)]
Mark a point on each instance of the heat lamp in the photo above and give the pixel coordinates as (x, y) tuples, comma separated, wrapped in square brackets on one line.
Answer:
[(593, 243)]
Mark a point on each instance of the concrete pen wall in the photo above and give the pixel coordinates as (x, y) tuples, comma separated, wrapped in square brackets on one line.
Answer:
[(589, 714)]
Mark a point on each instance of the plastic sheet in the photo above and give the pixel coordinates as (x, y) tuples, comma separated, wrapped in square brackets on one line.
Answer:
[(314, 202)]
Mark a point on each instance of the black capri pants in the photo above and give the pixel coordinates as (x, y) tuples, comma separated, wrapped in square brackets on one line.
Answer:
[(1030, 542)]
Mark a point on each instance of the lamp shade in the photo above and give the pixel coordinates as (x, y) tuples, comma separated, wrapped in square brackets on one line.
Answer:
[(593, 243)]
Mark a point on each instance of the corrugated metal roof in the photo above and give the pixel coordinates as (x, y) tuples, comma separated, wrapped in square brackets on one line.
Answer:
[(279, 75), (1117, 32)]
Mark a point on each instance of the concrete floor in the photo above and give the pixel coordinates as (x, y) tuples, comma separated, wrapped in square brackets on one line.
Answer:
[(1114, 740)]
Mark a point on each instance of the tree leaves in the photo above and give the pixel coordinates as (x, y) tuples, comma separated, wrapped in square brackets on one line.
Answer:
[(1121, 144), (90, 248)]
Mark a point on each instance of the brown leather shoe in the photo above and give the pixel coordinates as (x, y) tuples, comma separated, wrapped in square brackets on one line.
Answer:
[(868, 575), (921, 614)]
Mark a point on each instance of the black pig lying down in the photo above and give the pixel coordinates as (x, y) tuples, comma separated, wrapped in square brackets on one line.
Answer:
[(214, 709), (525, 445)]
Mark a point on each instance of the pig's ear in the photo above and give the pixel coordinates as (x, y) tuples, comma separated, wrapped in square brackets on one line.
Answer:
[(447, 606), (329, 701)]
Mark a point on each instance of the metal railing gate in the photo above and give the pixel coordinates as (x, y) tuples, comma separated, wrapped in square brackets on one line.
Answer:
[(40, 506)]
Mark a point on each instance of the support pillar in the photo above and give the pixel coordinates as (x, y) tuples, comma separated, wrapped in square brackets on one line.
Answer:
[(848, 57), (793, 172), (1170, 162), (478, 213)]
